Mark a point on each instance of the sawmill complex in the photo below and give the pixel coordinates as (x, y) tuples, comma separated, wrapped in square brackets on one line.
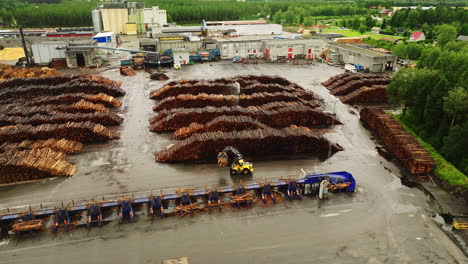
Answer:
[(228, 141)]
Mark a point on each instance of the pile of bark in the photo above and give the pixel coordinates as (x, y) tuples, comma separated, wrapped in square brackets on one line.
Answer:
[(61, 145), (9, 72), (30, 164), (216, 100), (299, 114), (103, 118), (375, 94), (258, 142), (159, 76), (401, 144), (221, 123), (78, 131), (359, 88), (127, 71)]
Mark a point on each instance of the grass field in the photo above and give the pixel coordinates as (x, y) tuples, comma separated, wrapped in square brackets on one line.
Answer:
[(352, 33)]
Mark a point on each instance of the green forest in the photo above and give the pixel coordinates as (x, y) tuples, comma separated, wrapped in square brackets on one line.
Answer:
[(68, 13), (435, 96)]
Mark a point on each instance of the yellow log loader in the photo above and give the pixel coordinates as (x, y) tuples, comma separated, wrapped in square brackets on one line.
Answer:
[(239, 166)]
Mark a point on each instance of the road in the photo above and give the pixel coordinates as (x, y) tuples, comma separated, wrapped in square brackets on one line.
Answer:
[(383, 222)]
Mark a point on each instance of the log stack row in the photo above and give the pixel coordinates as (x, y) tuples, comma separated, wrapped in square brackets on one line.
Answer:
[(359, 88), (401, 144), (42, 120), (259, 115)]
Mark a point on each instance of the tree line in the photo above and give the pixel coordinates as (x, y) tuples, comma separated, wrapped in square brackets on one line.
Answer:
[(435, 96)]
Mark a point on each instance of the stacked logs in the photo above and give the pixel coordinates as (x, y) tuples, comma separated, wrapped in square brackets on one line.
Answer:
[(374, 94), (401, 144), (299, 115), (103, 118), (31, 164), (256, 114), (101, 98), (43, 119), (159, 76), (221, 123), (359, 88), (194, 89), (63, 145), (215, 100), (79, 131), (258, 142)]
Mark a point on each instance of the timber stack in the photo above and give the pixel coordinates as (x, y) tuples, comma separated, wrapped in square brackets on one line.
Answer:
[(44, 119), (354, 88), (259, 115), (415, 158)]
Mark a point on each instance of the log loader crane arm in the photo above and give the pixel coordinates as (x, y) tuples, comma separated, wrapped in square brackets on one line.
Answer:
[(238, 166)]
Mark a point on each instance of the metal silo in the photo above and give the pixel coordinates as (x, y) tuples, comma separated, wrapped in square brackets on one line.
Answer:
[(97, 20)]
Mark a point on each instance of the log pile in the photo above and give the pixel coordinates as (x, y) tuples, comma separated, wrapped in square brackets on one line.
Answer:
[(359, 88), (221, 123), (81, 106), (78, 131), (283, 117), (9, 72), (374, 94), (127, 71), (401, 144), (250, 142), (62, 145), (43, 119), (265, 114), (73, 86), (24, 165), (194, 89), (103, 118), (66, 98)]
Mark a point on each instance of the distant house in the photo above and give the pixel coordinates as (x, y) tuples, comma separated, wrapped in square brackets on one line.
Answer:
[(462, 38), (417, 36), (375, 30), (386, 12)]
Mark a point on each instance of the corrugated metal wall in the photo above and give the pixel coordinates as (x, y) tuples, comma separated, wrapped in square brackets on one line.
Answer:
[(191, 46), (242, 49), (114, 19)]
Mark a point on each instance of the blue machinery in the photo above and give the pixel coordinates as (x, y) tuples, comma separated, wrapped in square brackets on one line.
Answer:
[(338, 181)]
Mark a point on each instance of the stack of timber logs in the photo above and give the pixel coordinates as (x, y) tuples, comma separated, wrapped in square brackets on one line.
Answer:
[(401, 144), (259, 115), (9, 72), (42, 120), (63, 145), (221, 123), (127, 71), (250, 142), (359, 88)]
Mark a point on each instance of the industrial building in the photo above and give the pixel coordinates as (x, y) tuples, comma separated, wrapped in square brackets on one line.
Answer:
[(114, 18), (369, 59), (129, 18), (241, 48), (293, 48), (154, 17), (45, 52)]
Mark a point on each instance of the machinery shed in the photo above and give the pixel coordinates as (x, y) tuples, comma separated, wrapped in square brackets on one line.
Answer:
[(369, 59), (309, 48), (77, 56)]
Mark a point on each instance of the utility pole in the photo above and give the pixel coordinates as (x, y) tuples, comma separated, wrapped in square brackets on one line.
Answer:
[(28, 62)]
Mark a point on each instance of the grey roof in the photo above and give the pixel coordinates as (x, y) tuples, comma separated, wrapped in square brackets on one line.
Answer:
[(359, 50), (462, 38)]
